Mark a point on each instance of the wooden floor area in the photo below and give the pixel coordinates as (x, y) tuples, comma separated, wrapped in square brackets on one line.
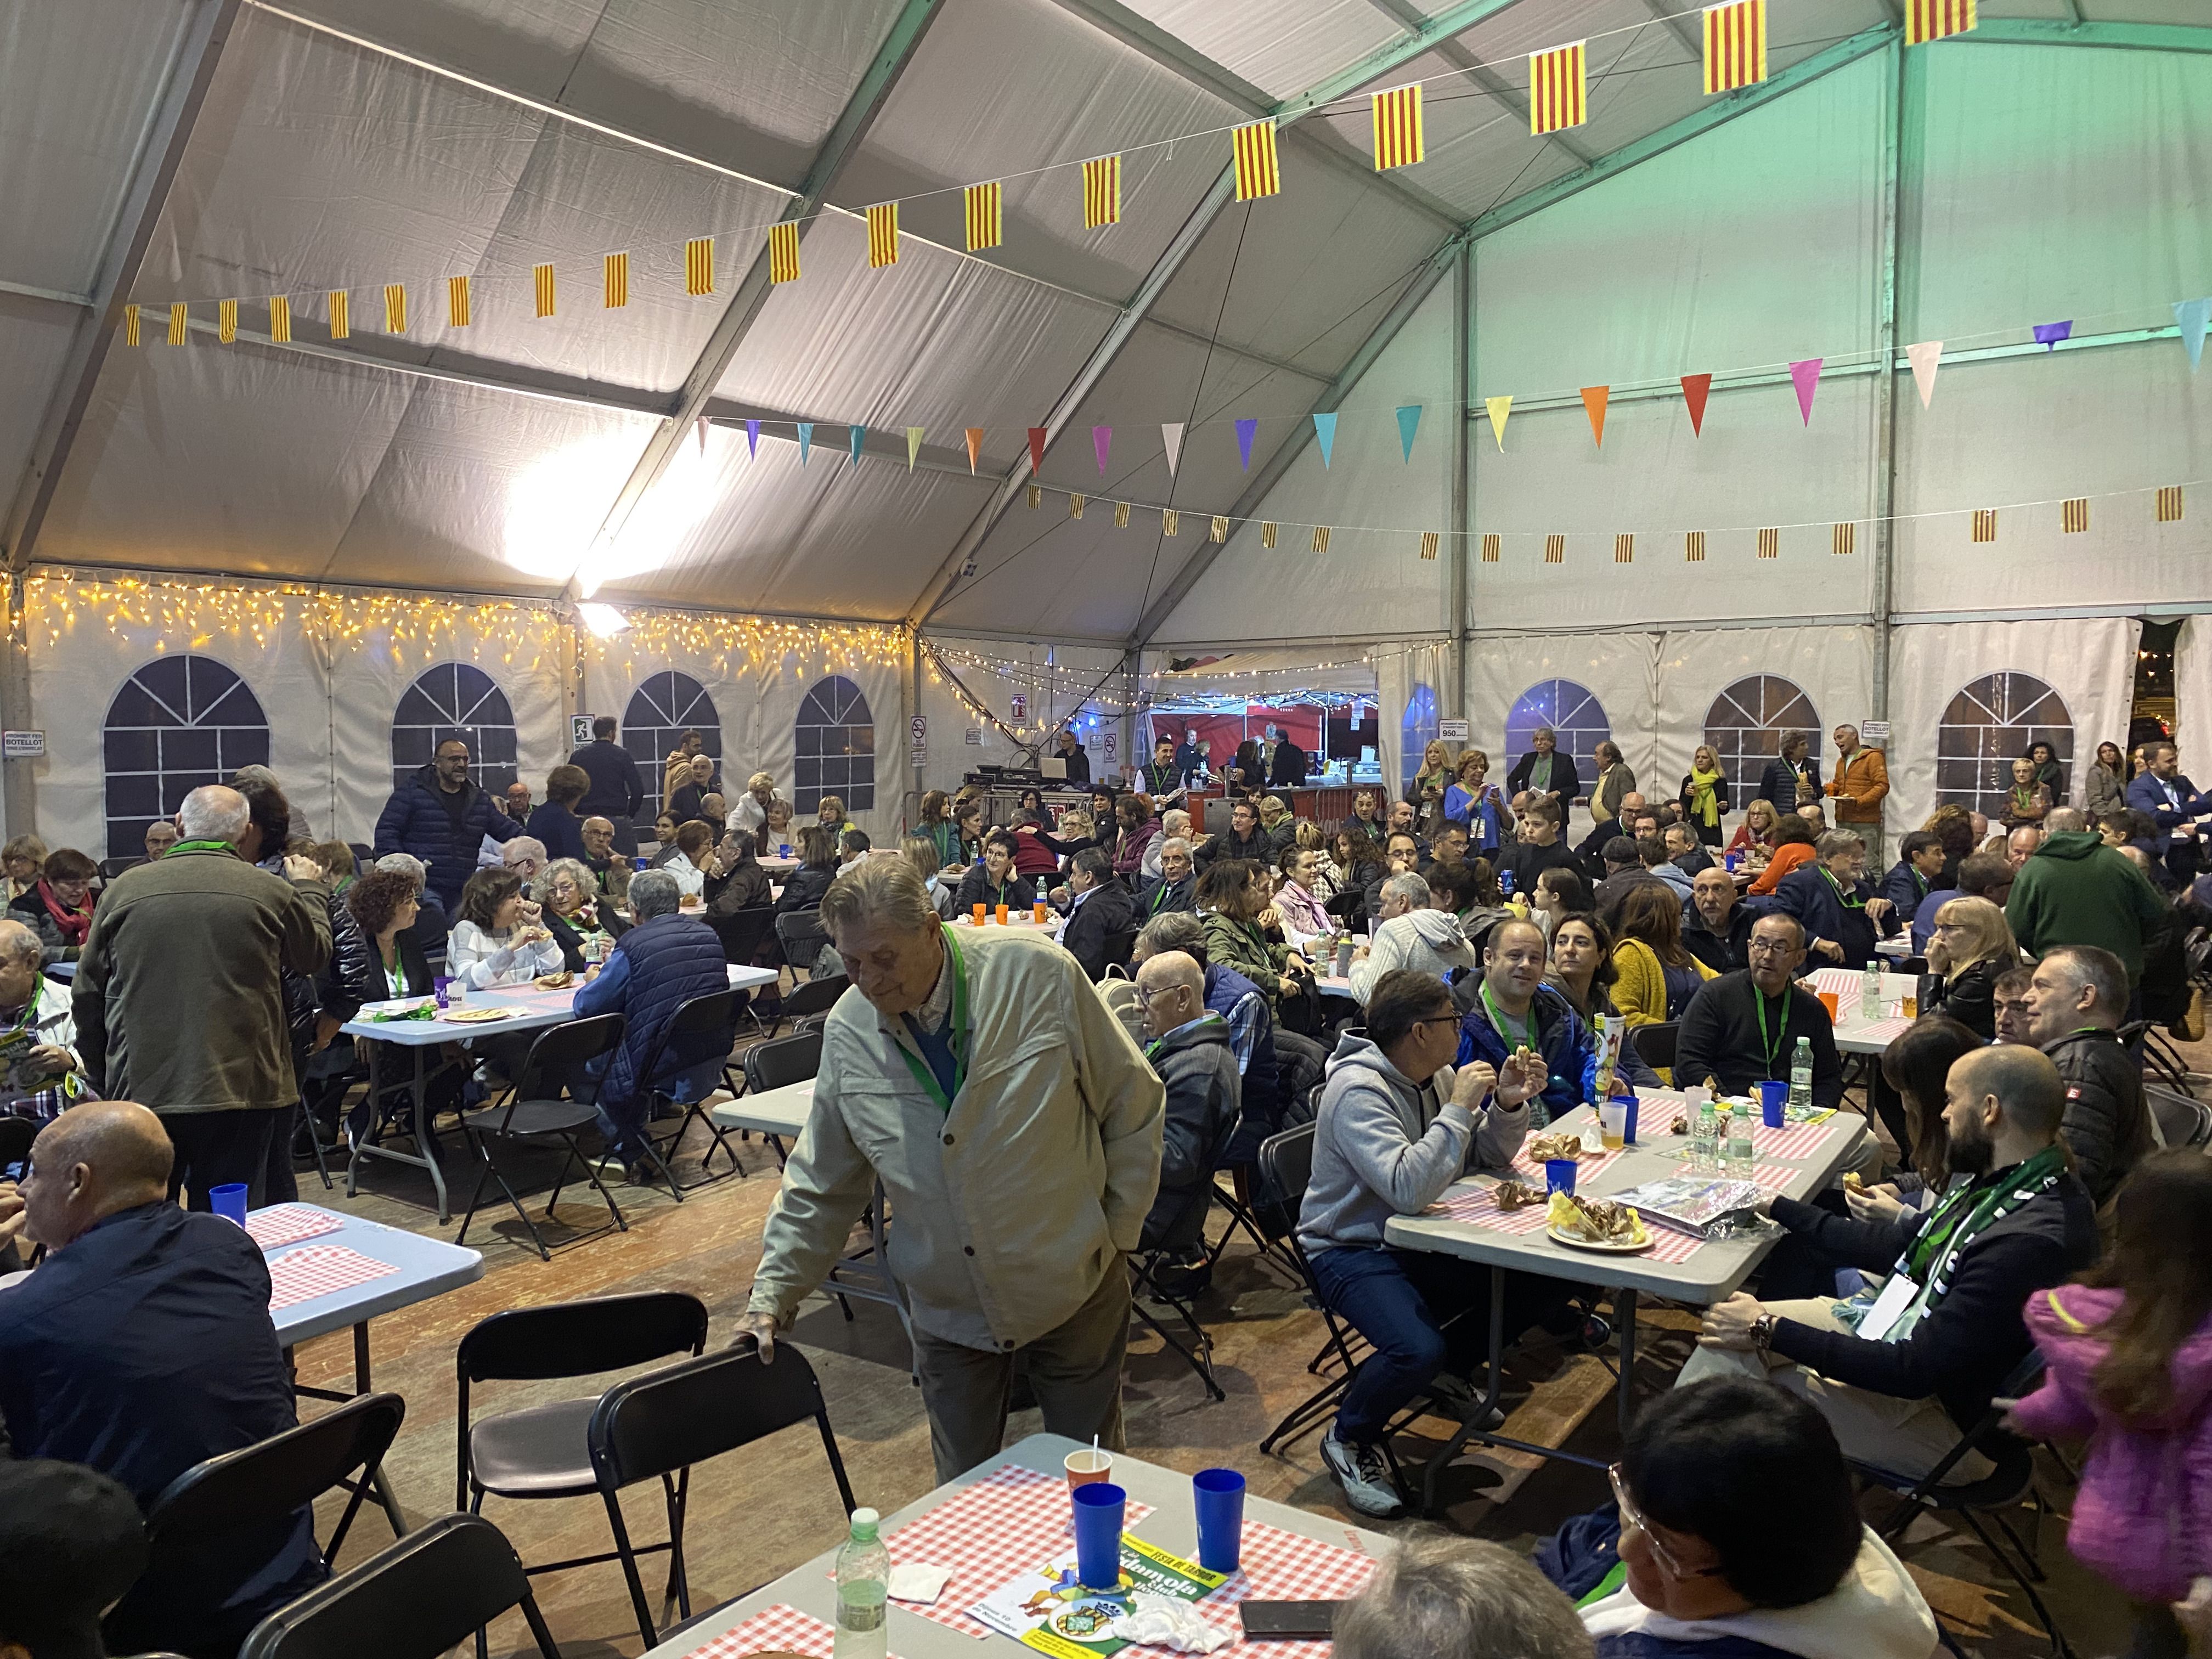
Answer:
[(755, 1514)]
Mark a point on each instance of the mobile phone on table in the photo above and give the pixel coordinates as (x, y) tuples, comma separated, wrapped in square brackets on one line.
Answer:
[(1274, 1621)]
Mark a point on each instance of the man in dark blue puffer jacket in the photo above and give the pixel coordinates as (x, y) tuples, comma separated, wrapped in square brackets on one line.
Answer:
[(441, 818)]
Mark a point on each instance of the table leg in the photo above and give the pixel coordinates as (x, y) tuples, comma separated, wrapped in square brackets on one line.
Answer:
[(1623, 1322), (425, 1155), (388, 1499), (369, 1127), (425, 1139)]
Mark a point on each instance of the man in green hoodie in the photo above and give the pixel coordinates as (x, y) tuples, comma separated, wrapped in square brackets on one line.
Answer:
[(2075, 889)]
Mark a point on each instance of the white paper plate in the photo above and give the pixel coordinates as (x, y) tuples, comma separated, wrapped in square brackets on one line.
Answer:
[(1608, 1248)]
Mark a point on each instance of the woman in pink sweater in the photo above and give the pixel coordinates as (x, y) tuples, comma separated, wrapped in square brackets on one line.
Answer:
[(2130, 1352)]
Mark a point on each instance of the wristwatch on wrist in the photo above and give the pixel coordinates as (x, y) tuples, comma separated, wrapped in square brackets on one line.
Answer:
[(1762, 1332)]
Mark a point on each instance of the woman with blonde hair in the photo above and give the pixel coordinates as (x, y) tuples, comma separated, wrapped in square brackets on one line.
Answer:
[(1654, 977), (1704, 795), (1969, 947), (1758, 818), (1430, 784), (24, 858)]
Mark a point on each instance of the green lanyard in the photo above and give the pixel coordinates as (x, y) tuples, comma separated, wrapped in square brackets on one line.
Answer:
[(922, 1073), (1773, 1048), (1160, 897), (1849, 901), (203, 847), (1966, 1213), (1525, 1037)]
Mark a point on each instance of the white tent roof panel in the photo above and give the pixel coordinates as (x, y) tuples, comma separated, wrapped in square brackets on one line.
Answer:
[(34, 342), (1282, 45)]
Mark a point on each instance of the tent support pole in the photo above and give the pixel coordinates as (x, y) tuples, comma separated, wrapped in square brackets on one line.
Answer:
[(1457, 492), (19, 777), (1902, 130)]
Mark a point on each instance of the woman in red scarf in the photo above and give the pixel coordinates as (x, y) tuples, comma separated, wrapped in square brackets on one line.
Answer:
[(58, 906)]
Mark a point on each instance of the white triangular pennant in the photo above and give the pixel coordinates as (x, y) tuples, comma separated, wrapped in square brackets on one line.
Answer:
[(1171, 440), (1924, 358)]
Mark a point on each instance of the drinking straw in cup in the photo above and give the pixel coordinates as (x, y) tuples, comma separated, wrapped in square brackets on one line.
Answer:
[(1087, 1465), (1220, 1496), (1773, 1096), (1100, 1508)]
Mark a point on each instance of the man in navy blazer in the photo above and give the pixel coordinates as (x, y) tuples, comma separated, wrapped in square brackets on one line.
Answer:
[(2171, 802), (142, 1345)]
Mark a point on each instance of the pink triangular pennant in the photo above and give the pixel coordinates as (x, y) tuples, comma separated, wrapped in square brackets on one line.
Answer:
[(1924, 358), (1171, 440), (1102, 439), (1695, 388), (1805, 375)]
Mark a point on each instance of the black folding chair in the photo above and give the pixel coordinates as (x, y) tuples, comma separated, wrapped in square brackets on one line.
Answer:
[(1348, 907), (1654, 1044), (2009, 1485), (813, 999), (777, 1064), (1285, 1167), (703, 1029), (265, 1483), (1144, 1279), (800, 932), (534, 1110), (418, 1600), (16, 1135), (662, 1423), (742, 932), (2179, 1120)]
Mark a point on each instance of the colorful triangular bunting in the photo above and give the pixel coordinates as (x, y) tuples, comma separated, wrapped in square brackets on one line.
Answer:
[(1805, 375), (2193, 317), (1171, 441), (1102, 439), (1037, 435), (2048, 335), (1499, 408), (1695, 388), (1409, 422), (1924, 357), (856, 436), (806, 440), (1324, 429), (975, 446), (752, 439), (913, 444), (1595, 399), (1244, 431)]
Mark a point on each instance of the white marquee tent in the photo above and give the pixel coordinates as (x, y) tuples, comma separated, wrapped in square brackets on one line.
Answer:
[(279, 536)]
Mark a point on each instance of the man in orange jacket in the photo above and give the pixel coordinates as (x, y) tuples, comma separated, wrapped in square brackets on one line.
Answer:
[(1861, 782)]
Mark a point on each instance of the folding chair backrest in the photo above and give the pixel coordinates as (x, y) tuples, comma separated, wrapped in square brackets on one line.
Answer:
[(783, 1061), (703, 1029), (1654, 1044), (577, 1339), (2179, 1120), (265, 1482), (1347, 907), (800, 932), (686, 1413), (425, 1595), (560, 1050), (1286, 1167), (16, 1135), (741, 932), (1119, 947), (816, 996)]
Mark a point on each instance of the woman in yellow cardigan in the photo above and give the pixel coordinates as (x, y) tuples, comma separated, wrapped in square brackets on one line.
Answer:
[(1654, 976)]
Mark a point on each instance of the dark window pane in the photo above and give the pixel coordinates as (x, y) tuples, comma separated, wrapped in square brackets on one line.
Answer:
[(245, 746), (806, 775), (133, 706), (135, 796), (189, 748), (131, 751)]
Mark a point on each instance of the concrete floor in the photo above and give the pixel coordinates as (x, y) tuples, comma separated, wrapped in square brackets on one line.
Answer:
[(760, 1511)]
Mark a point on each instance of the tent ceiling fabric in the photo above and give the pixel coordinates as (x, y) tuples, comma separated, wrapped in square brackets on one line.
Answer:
[(319, 162)]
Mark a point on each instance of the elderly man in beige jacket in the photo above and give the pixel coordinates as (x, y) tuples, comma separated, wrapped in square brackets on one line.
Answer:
[(1016, 1128)]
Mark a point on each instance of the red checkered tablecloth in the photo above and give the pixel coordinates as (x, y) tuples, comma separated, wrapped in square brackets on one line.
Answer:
[(1283, 1566), (1478, 1207), (316, 1270), (1837, 981), (1878, 1030), (1012, 1520), (288, 1223), (779, 1629), (1794, 1140), (1667, 1245), (1773, 1176), (1589, 1166)]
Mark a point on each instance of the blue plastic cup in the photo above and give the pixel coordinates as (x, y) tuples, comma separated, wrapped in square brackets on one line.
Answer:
[(1734, 858), (1628, 1134), (1100, 1509), (1219, 1494), (228, 1201), (643, 862), (1560, 1175), (1773, 1096), (441, 987)]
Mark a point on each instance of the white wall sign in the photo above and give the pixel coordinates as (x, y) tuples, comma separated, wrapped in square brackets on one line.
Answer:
[(1020, 705), (1875, 734), (917, 758), (1109, 745), (974, 737), (22, 745), (919, 727), (1452, 730)]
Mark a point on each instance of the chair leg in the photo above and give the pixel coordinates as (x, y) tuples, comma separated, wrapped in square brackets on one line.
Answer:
[(476, 1197), (1198, 1357), (679, 1584), (629, 1570), (592, 1176), (535, 1237), (2059, 1645)]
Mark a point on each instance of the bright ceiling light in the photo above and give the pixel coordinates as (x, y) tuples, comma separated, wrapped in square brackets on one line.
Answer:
[(662, 525), (603, 619)]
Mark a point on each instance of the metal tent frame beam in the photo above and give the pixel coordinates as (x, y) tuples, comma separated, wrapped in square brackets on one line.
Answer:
[(183, 95)]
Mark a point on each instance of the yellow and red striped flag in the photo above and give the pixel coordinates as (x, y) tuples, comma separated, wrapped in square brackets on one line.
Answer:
[(341, 320), (395, 307), (1257, 174), (1267, 533), (1555, 550), (1735, 46), (1321, 539), (177, 323), (1693, 547), (699, 264), (1624, 548), (783, 252), (883, 235), (1218, 530), (541, 281), (1429, 539), (1985, 524), (1931, 20), (130, 325), (1557, 90), (1769, 543), (2169, 504), (615, 277), (2074, 516), (1398, 139), (1120, 515), (1102, 191), (456, 302), (226, 321), (279, 319), (986, 222), (1171, 521), (1490, 544), (1843, 540)]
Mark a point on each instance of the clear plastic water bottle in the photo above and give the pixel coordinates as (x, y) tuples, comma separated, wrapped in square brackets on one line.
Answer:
[(1736, 1154), (1705, 1139), (1871, 992), (863, 1581), (1801, 1076)]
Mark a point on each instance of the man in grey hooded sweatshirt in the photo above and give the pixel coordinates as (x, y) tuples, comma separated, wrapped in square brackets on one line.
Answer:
[(1397, 1126), (1409, 934)]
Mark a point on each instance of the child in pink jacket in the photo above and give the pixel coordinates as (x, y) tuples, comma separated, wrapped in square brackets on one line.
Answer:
[(2130, 1352)]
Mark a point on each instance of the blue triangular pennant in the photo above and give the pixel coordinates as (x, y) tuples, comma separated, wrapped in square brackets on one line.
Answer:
[(1244, 431), (1324, 429), (752, 438), (2048, 335), (1409, 422), (2192, 317), (858, 435), (806, 440)]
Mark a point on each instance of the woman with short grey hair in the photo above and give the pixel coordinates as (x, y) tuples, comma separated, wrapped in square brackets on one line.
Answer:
[(1437, 1596)]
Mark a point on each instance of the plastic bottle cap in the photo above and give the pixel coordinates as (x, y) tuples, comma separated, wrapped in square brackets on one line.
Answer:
[(864, 1525)]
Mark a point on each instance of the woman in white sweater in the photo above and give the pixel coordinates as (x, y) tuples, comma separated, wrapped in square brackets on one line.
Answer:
[(499, 939)]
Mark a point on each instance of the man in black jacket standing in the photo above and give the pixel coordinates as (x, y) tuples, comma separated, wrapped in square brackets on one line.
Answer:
[(617, 792), (1924, 1363), (1287, 764), (1071, 753), (2075, 1002)]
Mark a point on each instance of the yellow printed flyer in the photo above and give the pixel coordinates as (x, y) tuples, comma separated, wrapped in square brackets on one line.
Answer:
[(1049, 1609)]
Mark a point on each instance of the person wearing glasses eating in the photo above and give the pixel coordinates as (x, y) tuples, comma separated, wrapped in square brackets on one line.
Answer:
[(1708, 1561)]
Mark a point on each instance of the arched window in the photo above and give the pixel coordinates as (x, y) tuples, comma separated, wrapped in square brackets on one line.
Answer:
[(1745, 726), (1576, 718), (178, 723), (1416, 733), (454, 700), (836, 749), (661, 710), (1988, 727)]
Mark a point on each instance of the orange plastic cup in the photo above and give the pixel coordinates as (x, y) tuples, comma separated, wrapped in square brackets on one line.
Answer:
[(1002, 915), (1085, 1465), (1828, 1001), (1038, 914), (979, 915)]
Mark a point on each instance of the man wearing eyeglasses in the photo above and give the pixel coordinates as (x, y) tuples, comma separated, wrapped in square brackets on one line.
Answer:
[(1188, 1046), (1741, 1029), (1831, 896)]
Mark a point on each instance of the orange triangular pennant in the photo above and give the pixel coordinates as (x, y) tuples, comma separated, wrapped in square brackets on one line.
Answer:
[(1594, 400), (974, 446)]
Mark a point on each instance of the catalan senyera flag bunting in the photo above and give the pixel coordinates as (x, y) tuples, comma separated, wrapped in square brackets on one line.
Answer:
[(456, 302), (985, 216), (883, 235), (699, 264), (783, 252), (1931, 20), (1102, 191), (226, 321), (130, 325), (1558, 93), (177, 323), (541, 283), (341, 315), (1398, 139), (1735, 46), (279, 319), (395, 307), (1257, 173), (616, 282)]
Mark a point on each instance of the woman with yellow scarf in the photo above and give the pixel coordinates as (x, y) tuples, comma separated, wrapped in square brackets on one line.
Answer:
[(1704, 795)]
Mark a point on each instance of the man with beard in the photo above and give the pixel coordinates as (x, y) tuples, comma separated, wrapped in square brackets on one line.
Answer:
[(1901, 1380)]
